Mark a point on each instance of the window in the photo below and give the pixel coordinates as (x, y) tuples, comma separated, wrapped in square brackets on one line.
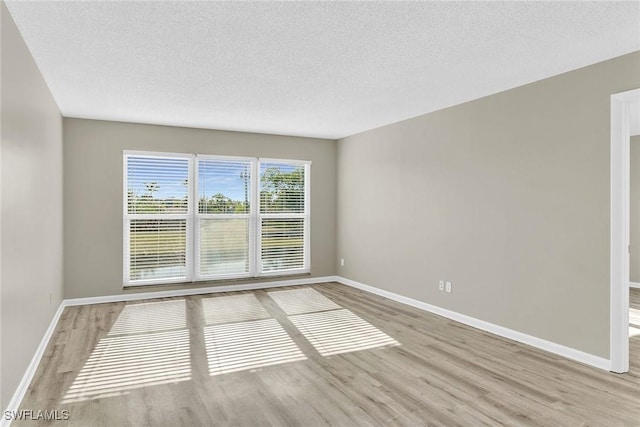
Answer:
[(157, 219), (283, 216), (196, 217), (224, 218)]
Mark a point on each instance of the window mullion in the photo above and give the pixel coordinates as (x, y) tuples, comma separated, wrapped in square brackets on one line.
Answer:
[(307, 216), (287, 215), (193, 225), (254, 213)]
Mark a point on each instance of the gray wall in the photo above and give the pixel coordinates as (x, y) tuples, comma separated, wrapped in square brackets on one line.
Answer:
[(31, 261), (93, 193), (506, 196), (634, 253)]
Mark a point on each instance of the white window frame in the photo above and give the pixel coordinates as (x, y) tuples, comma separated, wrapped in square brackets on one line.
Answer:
[(193, 218), (127, 217), (306, 216)]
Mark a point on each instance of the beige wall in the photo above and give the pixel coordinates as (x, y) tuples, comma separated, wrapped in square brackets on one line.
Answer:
[(31, 204), (634, 253), (506, 196), (93, 193)]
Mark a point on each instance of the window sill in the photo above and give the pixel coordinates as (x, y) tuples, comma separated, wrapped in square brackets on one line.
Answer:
[(214, 283)]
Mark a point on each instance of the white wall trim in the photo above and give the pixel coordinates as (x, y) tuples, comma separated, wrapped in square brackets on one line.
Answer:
[(635, 285), (619, 245), (561, 350), (197, 291), (15, 401)]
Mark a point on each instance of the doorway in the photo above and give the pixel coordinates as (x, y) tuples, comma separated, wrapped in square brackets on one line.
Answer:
[(624, 107)]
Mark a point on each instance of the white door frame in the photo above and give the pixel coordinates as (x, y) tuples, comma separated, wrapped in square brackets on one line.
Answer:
[(620, 182)]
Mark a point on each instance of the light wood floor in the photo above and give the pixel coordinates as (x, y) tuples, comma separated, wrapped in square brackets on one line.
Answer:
[(351, 358)]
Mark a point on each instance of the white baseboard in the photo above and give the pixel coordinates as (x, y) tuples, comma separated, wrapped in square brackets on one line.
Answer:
[(197, 291), (635, 285), (15, 401), (561, 350)]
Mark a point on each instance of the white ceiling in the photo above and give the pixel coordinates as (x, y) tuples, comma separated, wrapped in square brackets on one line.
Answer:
[(320, 69)]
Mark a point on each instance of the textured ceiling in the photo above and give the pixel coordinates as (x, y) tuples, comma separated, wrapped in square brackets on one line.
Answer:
[(320, 69)]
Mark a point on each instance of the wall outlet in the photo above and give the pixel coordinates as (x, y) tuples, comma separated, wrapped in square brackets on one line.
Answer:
[(341, 262), (441, 285), (448, 287)]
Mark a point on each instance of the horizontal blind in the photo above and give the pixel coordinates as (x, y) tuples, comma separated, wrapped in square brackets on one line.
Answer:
[(157, 248), (224, 246), (157, 185), (157, 210), (224, 206), (224, 186), (282, 188), (282, 244)]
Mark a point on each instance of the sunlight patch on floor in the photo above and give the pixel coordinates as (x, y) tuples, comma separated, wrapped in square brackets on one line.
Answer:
[(307, 300), (150, 317), (119, 364), (147, 345), (233, 308), (240, 346), (340, 331)]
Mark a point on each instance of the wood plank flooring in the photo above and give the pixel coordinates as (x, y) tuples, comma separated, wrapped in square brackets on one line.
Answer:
[(329, 355)]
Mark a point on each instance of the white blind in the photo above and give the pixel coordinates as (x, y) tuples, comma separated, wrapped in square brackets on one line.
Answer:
[(156, 218), (224, 206), (158, 249), (157, 185), (283, 216), (282, 244), (224, 186), (282, 188)]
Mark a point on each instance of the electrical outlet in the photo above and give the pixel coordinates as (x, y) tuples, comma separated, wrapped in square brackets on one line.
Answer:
[(341, 262), (441, 285), (448, 287)]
